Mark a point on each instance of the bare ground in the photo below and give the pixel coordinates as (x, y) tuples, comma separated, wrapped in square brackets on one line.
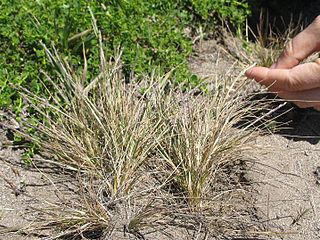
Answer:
[(25, 189), (18, 187)]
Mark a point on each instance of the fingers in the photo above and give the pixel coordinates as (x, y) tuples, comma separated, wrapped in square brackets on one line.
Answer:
[(303, 45), (302, 77), (294, 82), (303, 99)]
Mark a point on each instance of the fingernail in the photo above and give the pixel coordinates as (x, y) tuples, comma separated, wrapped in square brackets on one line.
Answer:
[(248, 73), (273, 66)]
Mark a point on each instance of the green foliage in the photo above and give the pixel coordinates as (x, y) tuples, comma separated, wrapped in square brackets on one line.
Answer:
[(235, 11), (151, 34)]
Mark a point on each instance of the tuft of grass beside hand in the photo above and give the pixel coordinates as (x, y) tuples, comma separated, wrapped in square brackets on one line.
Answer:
[(145, 154)]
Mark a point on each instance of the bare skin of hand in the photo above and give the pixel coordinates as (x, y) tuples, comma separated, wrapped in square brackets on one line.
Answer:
[(293, 81)]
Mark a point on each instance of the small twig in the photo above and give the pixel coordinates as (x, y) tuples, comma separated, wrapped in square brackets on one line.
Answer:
[(300, 215)]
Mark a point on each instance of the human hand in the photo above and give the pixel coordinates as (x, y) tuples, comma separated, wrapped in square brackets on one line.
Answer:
[(293, 81)]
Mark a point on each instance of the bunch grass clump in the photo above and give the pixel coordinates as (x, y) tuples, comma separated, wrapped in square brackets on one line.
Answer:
[(148, 157)]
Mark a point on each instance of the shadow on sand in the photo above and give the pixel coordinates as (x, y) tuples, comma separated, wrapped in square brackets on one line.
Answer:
[(286, 120)]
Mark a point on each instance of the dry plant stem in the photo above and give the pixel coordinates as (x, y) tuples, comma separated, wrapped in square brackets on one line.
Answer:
[(145, 154)]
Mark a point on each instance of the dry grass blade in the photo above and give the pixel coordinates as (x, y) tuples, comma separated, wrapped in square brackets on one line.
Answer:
[(202, 140), (146, 155)]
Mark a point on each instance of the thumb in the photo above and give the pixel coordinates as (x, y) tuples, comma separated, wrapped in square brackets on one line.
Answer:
[(302, 77), (301, 46)]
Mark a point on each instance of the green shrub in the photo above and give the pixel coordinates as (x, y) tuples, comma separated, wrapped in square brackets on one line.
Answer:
[(151, 34)]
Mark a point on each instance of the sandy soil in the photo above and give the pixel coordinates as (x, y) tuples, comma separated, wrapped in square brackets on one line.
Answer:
[(288, 191), (18, 186), (285, 168), (23, 189)]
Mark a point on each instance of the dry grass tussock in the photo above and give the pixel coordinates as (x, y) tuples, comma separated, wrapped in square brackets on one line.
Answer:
[(148, 157)]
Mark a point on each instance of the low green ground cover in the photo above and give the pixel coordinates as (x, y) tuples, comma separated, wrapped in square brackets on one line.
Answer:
[(151, 34)]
